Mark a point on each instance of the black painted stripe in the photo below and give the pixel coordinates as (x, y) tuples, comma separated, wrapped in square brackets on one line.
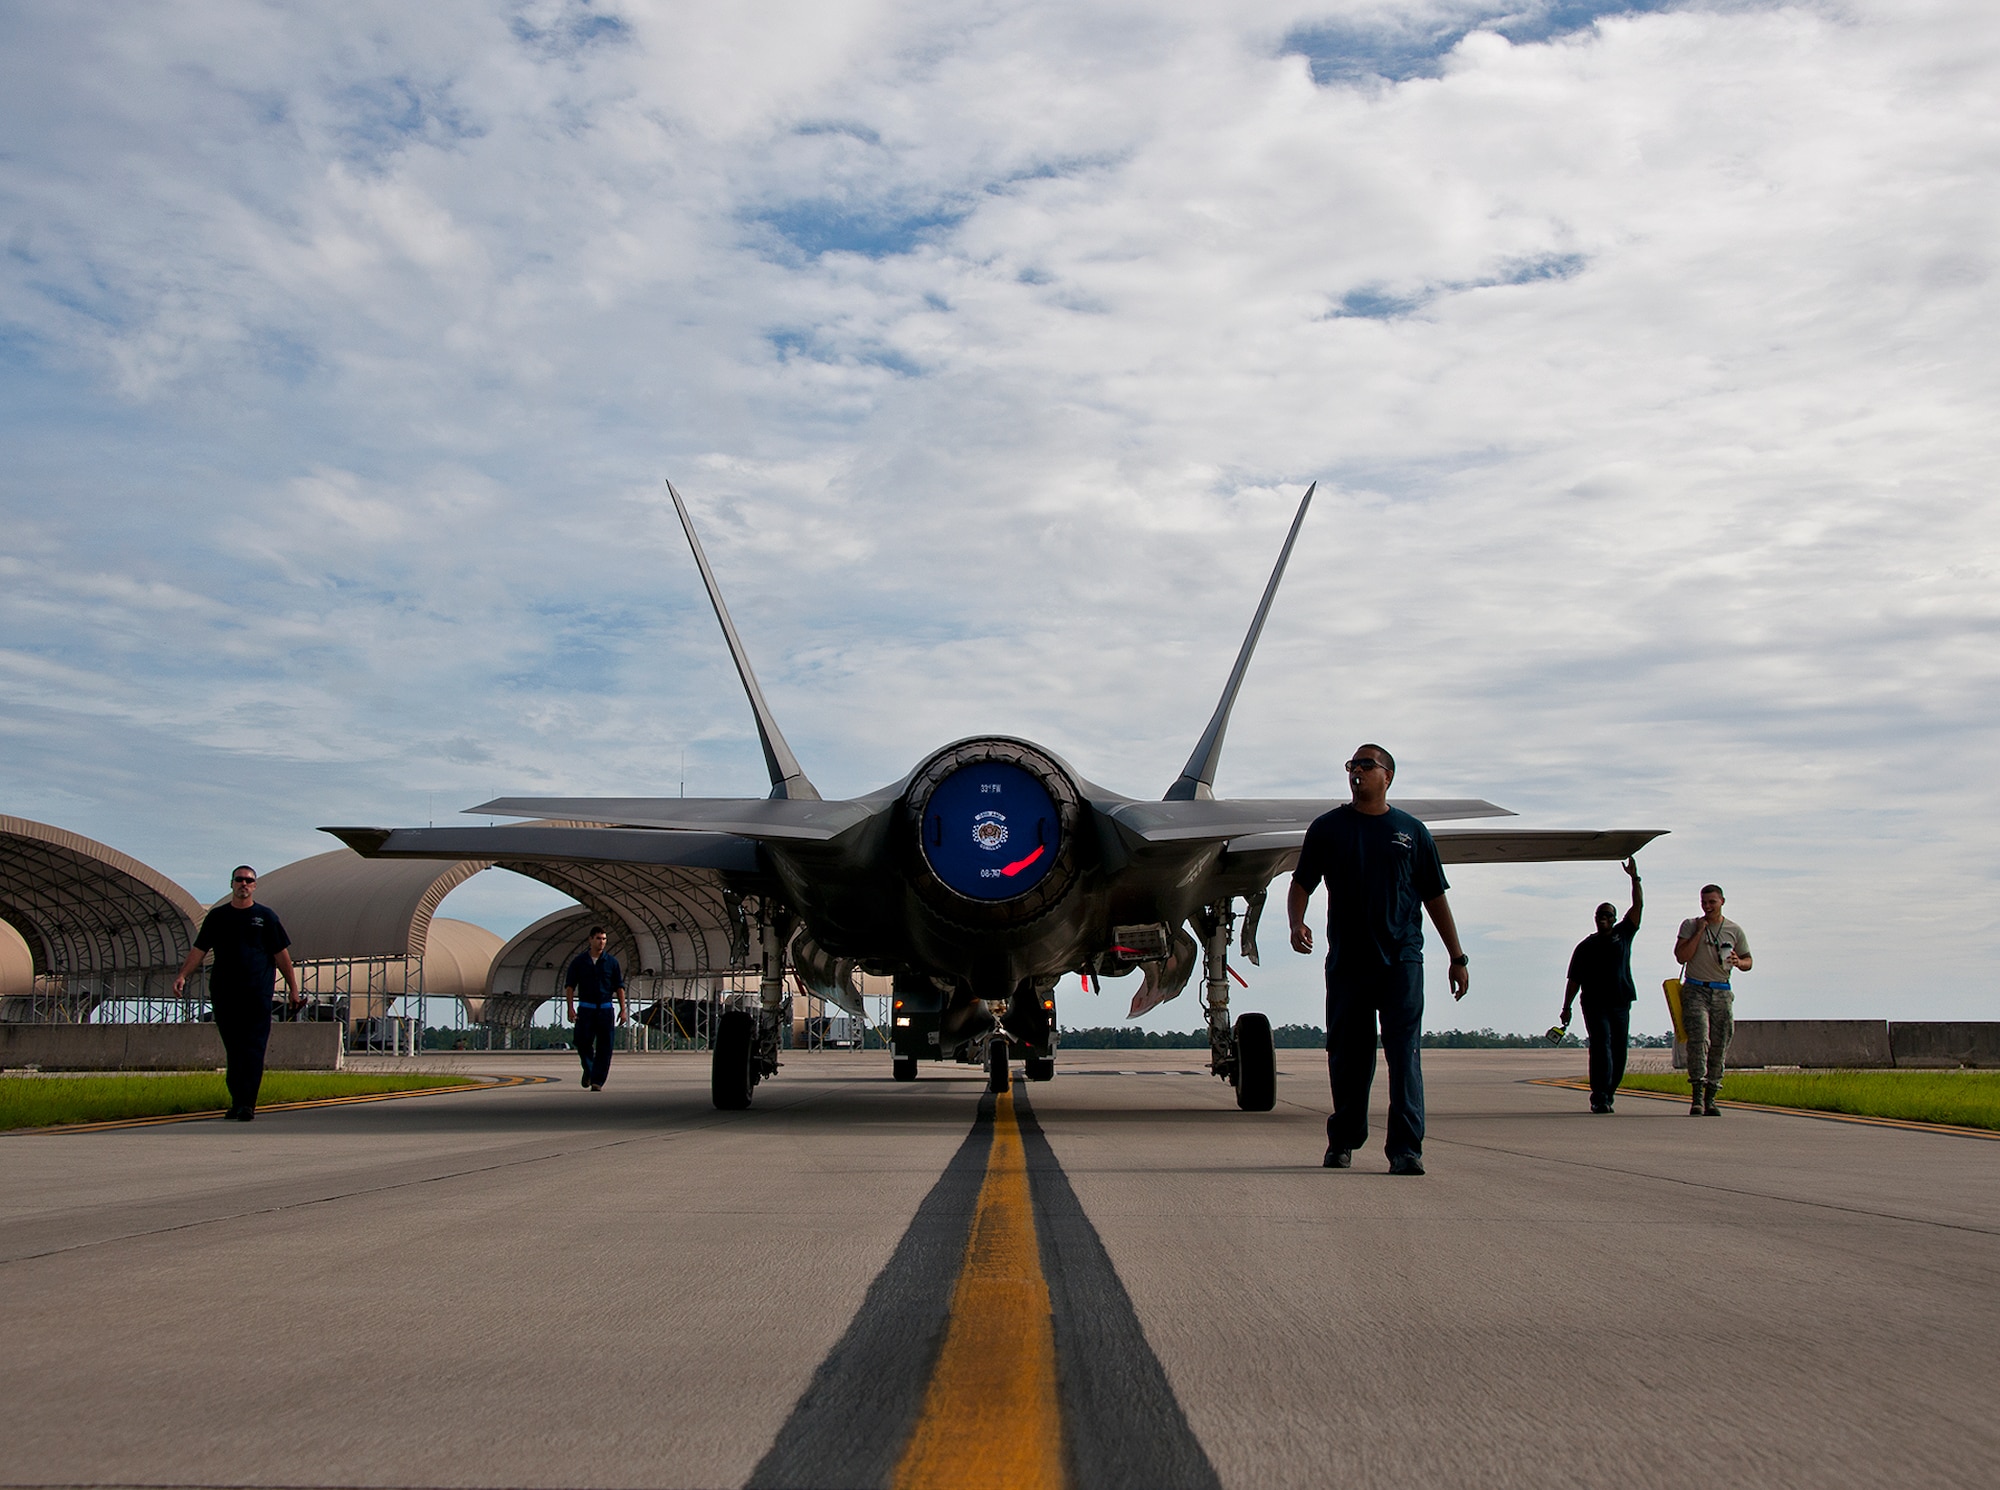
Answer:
[(848, 1429), (1122, 1425)]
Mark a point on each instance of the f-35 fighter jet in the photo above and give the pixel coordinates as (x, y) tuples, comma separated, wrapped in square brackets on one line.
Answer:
[(975, 882)]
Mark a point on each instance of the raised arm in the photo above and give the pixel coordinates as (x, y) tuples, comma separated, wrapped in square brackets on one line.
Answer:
[(1638, 895)]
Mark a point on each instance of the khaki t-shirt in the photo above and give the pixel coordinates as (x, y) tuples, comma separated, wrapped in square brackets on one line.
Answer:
[(1706, 964)]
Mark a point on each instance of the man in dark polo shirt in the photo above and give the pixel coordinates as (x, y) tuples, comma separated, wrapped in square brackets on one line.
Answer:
[(249, 943), (1601, 969), (594, 979), (1380, 866)]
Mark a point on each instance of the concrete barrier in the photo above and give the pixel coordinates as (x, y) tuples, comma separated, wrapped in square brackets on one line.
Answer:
[(1843, 1043), (160, 1047), (1945, 1046)]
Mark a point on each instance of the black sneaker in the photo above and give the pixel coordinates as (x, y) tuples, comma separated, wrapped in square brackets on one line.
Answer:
[(1406, 1164), (1337, 1158), (583, 1080)]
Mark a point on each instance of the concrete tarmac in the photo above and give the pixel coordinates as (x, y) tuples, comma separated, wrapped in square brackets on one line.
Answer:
[(543, 1286)]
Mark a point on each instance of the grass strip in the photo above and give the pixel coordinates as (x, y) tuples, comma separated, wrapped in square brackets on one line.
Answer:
[(45, 1101), (1966, 1099)]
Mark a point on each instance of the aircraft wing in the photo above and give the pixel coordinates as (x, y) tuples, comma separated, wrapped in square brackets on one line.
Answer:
[(793, 819), (1179, 822), (722, 852), (1280, 849), (1539, 845)]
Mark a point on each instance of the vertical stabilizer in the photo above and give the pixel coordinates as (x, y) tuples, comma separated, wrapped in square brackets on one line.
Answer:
[(1197, 778), (787, 780)]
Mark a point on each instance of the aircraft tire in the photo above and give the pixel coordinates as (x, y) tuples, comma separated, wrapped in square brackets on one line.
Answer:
[(904, 1068), (731, 1073), (1256, 1064), (1041, 1068), (997, 1074)]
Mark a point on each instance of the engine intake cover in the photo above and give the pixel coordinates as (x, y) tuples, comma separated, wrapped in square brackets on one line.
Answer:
[(995, 826)]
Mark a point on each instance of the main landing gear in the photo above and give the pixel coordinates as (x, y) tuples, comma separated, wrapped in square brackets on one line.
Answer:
[(1243, 1054), (746, 1045), (733, 1067)]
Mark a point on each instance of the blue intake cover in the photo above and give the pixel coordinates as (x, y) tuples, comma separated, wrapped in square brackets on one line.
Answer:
[(991, 831)]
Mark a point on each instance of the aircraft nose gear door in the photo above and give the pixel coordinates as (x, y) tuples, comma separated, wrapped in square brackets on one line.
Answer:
[(1243, 1053)]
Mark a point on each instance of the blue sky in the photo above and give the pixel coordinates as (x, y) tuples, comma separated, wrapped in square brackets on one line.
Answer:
[(1642, 354)]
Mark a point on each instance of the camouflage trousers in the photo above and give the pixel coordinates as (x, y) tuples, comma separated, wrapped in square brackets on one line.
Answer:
[(1710, 1017)]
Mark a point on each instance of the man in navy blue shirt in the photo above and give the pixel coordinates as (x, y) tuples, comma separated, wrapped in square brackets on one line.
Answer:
[(593, 980), (1380, 866), (1601, 969), (249, 943)]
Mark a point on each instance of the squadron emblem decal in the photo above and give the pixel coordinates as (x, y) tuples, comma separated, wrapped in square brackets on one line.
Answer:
[(989, 830)]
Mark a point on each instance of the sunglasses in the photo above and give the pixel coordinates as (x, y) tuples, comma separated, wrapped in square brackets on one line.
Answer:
[(1358, 764), (243, 879)]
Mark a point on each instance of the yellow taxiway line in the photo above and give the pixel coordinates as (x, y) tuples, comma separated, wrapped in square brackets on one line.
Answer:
[(990, 1415), (1912, 1125), (475, 1084)]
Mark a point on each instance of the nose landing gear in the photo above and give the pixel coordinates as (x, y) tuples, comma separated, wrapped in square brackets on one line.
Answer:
[(997, 1075)]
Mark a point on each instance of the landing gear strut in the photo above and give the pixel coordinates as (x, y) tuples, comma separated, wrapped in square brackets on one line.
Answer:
[(746, 1045), (1243, 1053)]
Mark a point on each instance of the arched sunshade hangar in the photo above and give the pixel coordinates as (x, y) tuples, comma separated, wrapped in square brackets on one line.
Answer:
[(679, 928), (528, 973), (360, 927), (100, 926)]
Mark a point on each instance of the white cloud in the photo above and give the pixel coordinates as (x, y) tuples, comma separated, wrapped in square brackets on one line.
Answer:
[(1644, 367)]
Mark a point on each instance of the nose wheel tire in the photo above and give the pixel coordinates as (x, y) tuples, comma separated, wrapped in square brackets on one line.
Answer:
[(997, 1078), (1041, 1068), (1256, 1064), (904, 1068), (731, 1074)]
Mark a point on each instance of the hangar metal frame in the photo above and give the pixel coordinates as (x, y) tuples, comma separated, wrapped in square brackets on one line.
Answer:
[(106, 933), (359, 931)]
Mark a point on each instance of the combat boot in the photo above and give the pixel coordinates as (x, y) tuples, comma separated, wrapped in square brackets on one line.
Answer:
[(1694, 1106), (1708, 1107)]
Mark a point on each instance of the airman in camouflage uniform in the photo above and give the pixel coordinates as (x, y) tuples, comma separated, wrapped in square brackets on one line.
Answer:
[(1710, 949)]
